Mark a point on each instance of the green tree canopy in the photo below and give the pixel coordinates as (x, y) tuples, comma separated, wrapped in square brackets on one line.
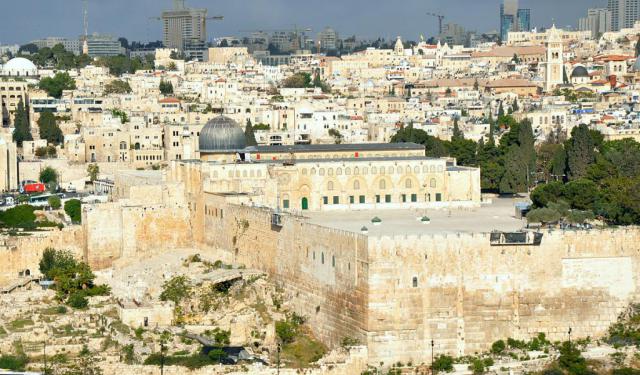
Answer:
[(49, 129), (117, 87), (249, 136), (22, 131), (581, 152), (54, 86)]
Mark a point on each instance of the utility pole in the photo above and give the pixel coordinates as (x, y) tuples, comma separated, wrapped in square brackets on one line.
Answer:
[(44, 355), (278, 359), (432, 345), (161, 357)]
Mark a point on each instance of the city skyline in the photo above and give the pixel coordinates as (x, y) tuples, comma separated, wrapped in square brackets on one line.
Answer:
[(349, 18)]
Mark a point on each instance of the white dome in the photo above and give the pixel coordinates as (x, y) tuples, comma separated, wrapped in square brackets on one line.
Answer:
[(19, 66)]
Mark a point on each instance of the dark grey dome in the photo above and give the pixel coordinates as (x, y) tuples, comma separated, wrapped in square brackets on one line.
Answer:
[(580, 72), (222, 134)]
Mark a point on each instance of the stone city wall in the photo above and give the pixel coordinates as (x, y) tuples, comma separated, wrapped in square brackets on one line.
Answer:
[(128, 233), (325, 269), (465, 294), (22, 253)]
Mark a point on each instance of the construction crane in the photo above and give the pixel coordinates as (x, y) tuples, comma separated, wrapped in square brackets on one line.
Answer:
[(440, 18)]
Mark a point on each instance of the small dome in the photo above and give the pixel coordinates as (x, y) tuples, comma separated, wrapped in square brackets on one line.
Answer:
[(222, 134), (19, 66), (580, 72)]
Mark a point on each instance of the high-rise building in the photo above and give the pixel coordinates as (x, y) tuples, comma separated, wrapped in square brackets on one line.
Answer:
[(513, 18), (184, 28), (453, 34), (597, 21), (524, 19), (103, 45), (624, 13), (328, 40)]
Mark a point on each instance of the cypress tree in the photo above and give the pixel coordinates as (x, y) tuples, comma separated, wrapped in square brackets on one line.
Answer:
[(22, 131), (249, 136), (580, 152)]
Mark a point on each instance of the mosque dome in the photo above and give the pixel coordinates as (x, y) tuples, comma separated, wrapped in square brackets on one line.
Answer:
[(222, 134), (19, 67), (579, 72)]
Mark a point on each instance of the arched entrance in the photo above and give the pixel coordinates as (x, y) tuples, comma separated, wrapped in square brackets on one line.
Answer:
[(305, 203)]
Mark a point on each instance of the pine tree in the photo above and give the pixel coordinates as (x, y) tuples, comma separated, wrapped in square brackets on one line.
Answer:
[(500, 111), (22, 131), (515, 106), (527, 150), (249, 136), (491, 130)]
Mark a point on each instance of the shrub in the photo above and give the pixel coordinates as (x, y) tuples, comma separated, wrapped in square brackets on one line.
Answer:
[(217, 355), (73, 208), (13, 363), (477, 366), (571, 360), (21, 216), (77, 300), (49, 175), (286, 331), (442, 363), (498, 347), (54, 202)]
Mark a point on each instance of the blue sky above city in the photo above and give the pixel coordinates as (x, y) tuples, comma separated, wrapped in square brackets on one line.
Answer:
[(24, 20)]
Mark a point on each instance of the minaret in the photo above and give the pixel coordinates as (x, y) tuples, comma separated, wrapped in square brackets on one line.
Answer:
[(554, 63)]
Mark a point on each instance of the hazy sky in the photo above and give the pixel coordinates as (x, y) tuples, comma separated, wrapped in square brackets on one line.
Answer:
[(24, 20)]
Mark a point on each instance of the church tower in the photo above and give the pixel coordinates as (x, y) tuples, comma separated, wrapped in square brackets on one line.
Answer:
[(399, 47), (554, 64)]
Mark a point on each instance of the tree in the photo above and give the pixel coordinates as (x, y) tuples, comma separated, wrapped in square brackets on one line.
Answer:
[(73, 208), (56, 85), (166, 87), (93, 170), (22, 131), (442, 363), (49, 176), (298, 80), (49, 129), (249, 136), (337, 136), (580, 152), (117, 87), (527, 150), (176, 289), (457, 134), (54, 202)]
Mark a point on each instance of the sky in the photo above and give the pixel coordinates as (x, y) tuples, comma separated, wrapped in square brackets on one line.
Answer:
[(25, 20)]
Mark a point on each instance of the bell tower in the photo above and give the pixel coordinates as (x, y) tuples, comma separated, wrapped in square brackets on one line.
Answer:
[(554, 65)]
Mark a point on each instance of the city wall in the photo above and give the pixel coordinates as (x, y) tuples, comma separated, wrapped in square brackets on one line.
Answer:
[(325, 270), (127, 233), (465, 294), (21, 253)]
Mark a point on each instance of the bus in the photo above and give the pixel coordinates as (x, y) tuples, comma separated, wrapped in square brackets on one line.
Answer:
[(41, 200)]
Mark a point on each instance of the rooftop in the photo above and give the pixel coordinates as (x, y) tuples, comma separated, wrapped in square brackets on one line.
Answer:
[(500, 216), (338, 147)]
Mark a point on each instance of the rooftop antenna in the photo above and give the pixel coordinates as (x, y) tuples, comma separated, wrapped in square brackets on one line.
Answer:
[(85, 24)]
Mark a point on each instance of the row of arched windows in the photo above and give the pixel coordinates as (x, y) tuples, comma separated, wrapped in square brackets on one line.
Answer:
[(374, 170), (382, 184)]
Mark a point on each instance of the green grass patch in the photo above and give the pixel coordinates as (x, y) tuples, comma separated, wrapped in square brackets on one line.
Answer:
[(20, 324), (303, 351)]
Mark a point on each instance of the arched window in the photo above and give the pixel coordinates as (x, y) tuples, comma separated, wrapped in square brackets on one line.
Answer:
[(432, 183), (408, 184), (339, 171), (123, 145), (313, 171), (356, 170), (432, 169), (330, 171), (391, 170), (382, 184), (416, 169), (356, 185), (347, 171), (330, 185)]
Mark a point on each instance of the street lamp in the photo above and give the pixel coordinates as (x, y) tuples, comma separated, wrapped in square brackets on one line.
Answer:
[(569, 335)]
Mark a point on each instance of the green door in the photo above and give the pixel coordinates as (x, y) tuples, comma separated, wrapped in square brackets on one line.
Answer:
[(305, 204)]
